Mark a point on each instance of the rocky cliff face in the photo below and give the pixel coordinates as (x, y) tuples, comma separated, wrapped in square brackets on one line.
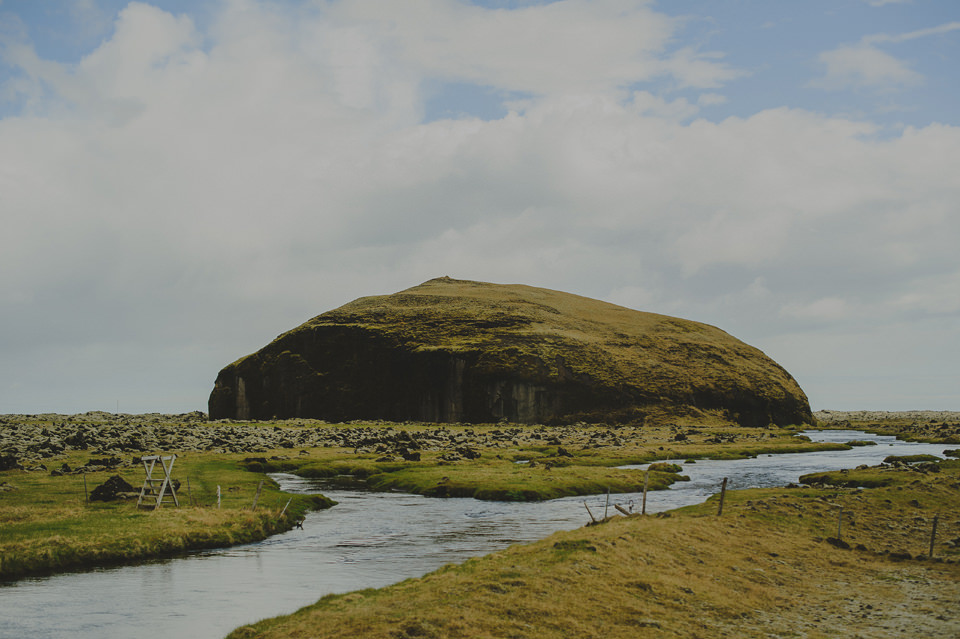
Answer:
[(460, 351)]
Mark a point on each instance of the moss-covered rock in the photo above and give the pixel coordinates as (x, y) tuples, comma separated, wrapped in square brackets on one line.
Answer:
[(461, 351)]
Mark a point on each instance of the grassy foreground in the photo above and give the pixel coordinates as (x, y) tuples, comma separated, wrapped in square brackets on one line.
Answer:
[(770, 566), (46, 525)]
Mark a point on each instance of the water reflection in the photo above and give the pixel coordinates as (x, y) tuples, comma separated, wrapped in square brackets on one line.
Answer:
[(368, 540)]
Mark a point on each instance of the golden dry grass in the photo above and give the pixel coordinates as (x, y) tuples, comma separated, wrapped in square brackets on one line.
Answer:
[(763, 569), (609, 342)]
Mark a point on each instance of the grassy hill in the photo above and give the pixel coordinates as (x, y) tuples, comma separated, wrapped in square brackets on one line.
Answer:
[(463, 351)]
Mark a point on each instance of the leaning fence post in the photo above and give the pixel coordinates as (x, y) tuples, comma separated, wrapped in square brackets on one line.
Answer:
[(592, 518), (723, 494), (285, 507)]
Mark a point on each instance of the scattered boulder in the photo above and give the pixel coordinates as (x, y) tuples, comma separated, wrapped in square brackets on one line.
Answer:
[(468, 453), (409, 455), (112, 490), (910, 459), (107, 462), (839, 543), (9, 462), (665, 467)]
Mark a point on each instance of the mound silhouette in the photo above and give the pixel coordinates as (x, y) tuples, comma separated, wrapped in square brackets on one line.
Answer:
[(462, 351)]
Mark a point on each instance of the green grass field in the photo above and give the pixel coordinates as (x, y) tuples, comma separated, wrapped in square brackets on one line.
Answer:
[(46, 525)]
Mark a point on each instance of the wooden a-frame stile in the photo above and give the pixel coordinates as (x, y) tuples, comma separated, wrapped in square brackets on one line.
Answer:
[(150, 485)]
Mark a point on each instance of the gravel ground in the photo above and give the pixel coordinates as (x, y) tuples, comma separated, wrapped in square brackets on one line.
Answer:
[(30, 441), (831, 416), (914, 600)]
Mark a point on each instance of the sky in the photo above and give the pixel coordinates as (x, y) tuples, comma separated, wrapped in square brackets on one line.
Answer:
[(181, 181)]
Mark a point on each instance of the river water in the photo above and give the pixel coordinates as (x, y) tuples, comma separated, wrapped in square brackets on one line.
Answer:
[(368, 540)]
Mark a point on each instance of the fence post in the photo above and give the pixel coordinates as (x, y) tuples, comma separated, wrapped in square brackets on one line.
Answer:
[(646, 482), (257, 496), (218, 495), (933, 533), (723, 494), (86, 498), (592, 518)]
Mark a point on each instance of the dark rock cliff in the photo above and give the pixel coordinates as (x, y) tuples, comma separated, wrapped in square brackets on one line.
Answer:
[(460, 351)]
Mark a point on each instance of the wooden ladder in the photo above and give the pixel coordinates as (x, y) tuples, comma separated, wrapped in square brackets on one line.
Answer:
[(161, 488)]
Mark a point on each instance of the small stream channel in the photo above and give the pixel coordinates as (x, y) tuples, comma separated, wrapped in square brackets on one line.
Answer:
[(368, 540)]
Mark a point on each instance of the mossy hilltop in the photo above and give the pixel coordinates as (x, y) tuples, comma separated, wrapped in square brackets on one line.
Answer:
[(462, 351)]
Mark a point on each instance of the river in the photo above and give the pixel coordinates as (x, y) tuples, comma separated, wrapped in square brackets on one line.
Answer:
[(368, 540)]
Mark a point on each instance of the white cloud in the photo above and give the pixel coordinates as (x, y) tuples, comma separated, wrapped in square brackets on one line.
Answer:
[(711, 99), (571, 46), (912, 35), (180, 198), (863, 65), (692, 68)]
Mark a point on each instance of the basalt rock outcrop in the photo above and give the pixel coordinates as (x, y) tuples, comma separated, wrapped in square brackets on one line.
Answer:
[(462, 351)]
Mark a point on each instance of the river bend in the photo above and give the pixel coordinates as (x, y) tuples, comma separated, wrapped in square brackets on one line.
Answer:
[(368, 540)]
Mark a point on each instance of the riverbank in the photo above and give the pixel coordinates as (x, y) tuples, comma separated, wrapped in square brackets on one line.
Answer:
[(51, 521), (493, 461), (771, 565), (47, 524), (933, 426), (502, 463)]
